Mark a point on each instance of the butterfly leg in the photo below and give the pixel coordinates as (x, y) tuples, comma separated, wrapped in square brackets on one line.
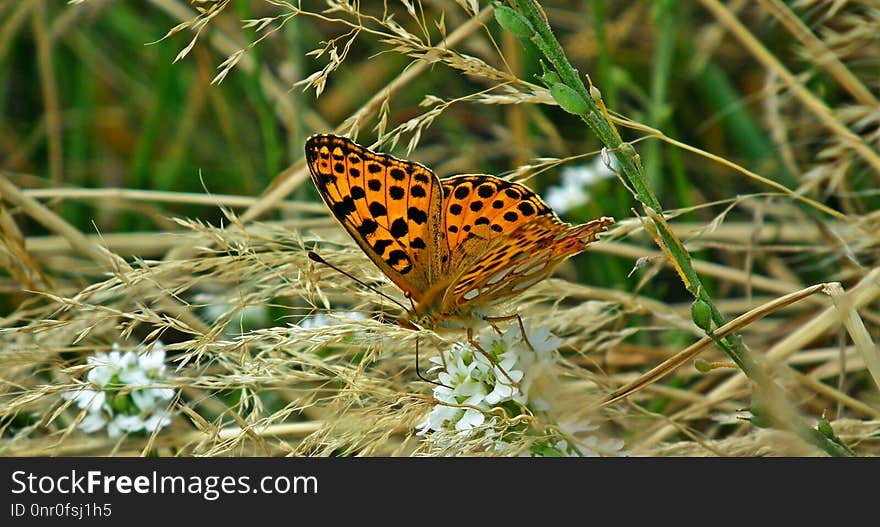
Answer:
[(489, 357), (522, 327)]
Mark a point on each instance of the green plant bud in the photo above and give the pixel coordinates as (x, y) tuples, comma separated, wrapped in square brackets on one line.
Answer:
[(120, 403), (824, 428), (702, 315), (549, 77), (568, 99), (759, 416), (702, 366), (513, 21)]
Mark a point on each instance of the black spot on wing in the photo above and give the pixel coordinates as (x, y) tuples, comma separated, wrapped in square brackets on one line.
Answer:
[(367, 227), (381, 245), (344, 207), (526, 208), (399, 228), (377, 209), (327, 179), (399, 261), (397, 174), (417, 215)]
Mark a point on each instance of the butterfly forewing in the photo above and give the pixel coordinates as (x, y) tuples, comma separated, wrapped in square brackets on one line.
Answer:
[(390, 207)]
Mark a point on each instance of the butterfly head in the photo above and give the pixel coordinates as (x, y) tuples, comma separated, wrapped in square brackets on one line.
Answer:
[(430, 316), (420, 317)]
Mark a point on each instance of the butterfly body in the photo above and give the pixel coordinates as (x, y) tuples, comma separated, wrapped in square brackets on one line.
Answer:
[(454, 247)]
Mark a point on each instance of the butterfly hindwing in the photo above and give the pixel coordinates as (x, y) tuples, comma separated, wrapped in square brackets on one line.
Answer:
[(486, 206), (518, 260)]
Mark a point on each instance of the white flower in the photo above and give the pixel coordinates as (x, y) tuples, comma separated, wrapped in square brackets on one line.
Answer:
[(154, 359), (571, 192), (150, 398), (563, 198), (437, 418), (158, 420), (472, 383), (124, 394), (591, 173), (504, 391), (524, 364), (124, 424), (520, 371), (471, 418), (133, 376), (92, 422), (86, 398)]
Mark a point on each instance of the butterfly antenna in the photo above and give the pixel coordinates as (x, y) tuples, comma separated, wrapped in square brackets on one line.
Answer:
[(419, 371), (313, 256)]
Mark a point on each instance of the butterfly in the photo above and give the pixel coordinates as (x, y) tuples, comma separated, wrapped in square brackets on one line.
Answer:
[(454, 247)]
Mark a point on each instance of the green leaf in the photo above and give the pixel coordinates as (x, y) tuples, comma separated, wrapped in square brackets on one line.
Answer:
[(513, 21), (568, 99)]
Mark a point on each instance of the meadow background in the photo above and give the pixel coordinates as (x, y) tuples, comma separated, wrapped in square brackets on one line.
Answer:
[(155, 199)]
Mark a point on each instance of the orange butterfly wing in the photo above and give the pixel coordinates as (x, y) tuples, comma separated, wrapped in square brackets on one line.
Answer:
[(390, 207)]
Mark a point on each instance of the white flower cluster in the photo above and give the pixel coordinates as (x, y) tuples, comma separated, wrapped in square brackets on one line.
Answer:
[(472, 384), (572, 191), (124, 395)]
